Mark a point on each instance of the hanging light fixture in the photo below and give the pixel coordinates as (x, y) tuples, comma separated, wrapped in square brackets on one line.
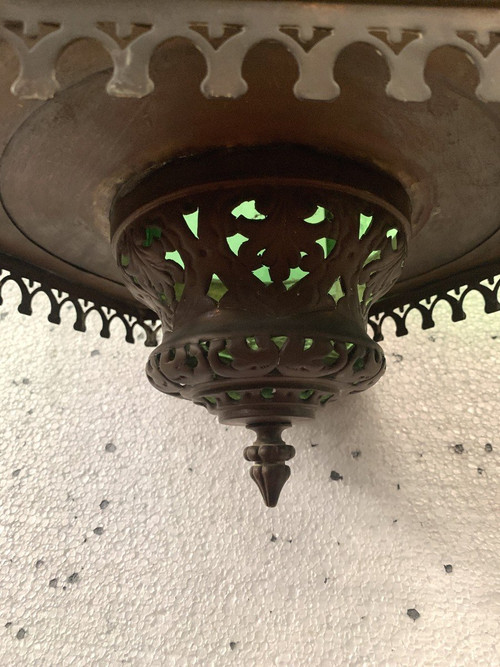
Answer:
[(267, 220)]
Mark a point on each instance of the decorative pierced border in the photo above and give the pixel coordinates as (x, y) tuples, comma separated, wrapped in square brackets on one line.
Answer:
[(485, 281), (224, 31), (134, 322)]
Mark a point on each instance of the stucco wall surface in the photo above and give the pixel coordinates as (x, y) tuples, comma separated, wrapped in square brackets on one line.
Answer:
[(131, 532)]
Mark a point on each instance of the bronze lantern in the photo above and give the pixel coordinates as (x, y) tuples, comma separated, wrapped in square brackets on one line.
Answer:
[(264, 181)]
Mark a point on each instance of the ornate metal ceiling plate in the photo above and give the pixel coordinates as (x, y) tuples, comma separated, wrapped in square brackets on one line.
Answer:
[(365, 58)]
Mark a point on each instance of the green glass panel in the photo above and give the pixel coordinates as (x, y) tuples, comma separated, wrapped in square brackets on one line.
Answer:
[(263, 275), (336, 291), (364, 223), (361, 292), (236, 396), (374, 255), (279, 341), (235, 242), (124, 260), (320, 215), (294, 277), (247, 210), (174, 257), (308, 343), (225, 356), (307, 393), (327, 245), (210, 399), (316, 217), (151, 234), (324, 398), (252, 343), (267, 392), (191, 220), (392, 234), (217, 288)]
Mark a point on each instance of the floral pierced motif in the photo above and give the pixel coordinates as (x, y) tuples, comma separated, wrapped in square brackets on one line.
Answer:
[(317, 252), (263, 292)]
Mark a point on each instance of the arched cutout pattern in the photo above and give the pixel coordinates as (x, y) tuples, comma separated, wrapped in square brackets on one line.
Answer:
[(465, 61), (365, 51), (488, 288), (146, 51), (284, 50), (277, 22), (135, 327), (37, 77)]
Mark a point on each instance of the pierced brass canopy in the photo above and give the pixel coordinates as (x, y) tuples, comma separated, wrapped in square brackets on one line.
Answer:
[(262, 264)]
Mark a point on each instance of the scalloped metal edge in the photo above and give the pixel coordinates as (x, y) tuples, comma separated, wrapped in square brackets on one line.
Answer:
[(394, 308), (484, 280), (256, 21), (83, 308)]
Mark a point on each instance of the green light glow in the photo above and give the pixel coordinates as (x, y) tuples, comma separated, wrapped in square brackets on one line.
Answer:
[(307, 393), (225, 357), (316, 217), (235, 242), (191, 220), (252, 343), (294, 276), (151, 234), (267, 392), (279, 341), (392, 234), (364, 223), (263, 275), (217, 288), (247, 210), (372, 257), (327, 245), (174, 257), (336, 291)]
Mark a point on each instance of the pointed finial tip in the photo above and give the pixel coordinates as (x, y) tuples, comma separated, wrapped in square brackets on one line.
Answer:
[(269, 454), (270, 479)]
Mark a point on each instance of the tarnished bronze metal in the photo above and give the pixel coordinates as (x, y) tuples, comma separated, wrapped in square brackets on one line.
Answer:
[(264, 314), (99, 95)]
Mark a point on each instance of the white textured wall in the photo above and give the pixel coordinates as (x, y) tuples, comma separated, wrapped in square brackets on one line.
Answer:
[(191, 568)]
